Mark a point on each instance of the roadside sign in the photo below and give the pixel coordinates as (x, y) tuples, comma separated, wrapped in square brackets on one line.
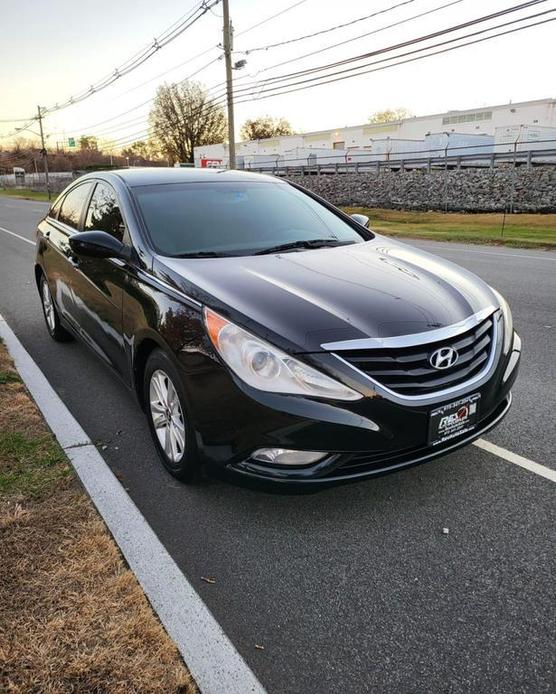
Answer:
[(71, 141)]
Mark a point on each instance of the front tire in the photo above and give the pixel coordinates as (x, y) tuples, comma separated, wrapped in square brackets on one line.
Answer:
[(169, 423), (50, 312)]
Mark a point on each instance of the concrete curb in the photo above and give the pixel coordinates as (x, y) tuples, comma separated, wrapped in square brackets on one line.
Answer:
[(210, 656)]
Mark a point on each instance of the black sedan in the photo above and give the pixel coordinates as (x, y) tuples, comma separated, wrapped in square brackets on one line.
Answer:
[(268, 335)]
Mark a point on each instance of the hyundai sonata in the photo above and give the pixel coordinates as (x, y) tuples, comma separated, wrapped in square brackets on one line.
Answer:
[(266, 333)]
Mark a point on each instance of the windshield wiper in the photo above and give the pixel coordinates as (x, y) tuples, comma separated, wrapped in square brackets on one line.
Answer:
[(201, 254), (306, 243)]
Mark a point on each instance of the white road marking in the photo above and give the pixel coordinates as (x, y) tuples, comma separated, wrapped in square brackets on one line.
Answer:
[(22, 238), (516, 459), (507, 255), (210, 656)]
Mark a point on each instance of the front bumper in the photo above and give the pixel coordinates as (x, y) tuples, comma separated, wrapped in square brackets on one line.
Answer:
[(369, 437)]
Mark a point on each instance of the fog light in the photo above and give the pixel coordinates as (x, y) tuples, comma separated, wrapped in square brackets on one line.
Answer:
[(284, 456)]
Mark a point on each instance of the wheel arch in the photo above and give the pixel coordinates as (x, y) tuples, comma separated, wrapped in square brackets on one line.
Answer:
[(39, 272), (145, 346)]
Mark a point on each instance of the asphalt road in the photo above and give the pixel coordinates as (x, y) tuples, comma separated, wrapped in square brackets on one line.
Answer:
[(354, 589)]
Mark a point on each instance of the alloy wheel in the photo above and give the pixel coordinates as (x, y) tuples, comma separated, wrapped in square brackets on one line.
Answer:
[(167, 415), (48, 307)]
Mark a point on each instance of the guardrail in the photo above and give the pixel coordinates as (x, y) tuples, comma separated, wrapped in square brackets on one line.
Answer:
[(404, 161)]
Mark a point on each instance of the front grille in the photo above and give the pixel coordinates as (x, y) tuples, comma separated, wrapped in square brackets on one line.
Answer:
[(408, 371)]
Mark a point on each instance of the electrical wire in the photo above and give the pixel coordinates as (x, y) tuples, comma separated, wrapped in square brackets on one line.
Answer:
[(395, 58), (244, 31), (288, 86), (222, 83), (435, 34), (365, 72), (360, 36), (268, 19), (133, 63), (119, 127), (325, 31)]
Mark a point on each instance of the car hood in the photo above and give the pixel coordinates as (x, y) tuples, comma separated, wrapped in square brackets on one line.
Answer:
[(380, 288)]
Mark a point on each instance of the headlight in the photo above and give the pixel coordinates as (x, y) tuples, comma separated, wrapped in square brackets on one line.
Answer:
[(508, 321), (265, 367)]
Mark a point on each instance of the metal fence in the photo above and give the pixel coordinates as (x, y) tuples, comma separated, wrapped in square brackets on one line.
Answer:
[(529, 154), (37, 181)]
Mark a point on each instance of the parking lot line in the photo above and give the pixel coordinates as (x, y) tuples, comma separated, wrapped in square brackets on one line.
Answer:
[(7, 231), (516, 459)]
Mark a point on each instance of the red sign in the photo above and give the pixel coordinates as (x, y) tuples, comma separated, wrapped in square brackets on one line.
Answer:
[(211, 163)]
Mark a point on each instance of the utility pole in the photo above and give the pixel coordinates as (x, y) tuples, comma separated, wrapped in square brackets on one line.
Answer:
[(228, 47), (43, 152)]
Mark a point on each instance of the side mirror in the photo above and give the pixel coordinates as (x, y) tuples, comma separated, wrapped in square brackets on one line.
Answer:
[(361, 219), (98, 244)]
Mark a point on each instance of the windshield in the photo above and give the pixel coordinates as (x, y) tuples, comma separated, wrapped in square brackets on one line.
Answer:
[(244, 218)]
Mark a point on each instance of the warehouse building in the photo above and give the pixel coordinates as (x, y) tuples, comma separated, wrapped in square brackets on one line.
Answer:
[(497, 127)]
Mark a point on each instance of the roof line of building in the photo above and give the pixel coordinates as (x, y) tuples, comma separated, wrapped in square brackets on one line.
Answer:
[(404, 120)]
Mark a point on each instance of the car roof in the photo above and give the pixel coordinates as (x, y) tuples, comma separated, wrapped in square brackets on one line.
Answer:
[(145, 176)]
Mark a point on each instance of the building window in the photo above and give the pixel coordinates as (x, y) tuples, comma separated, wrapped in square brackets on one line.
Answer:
[(467, 117), (339, 145)]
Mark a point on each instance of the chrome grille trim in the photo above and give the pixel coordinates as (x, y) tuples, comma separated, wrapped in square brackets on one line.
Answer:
[(415, 338), (432, 397)]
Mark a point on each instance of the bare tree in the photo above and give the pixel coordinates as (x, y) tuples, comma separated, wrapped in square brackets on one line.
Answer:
[(265, 126), (183, 117), (88, 142), (390, 114)]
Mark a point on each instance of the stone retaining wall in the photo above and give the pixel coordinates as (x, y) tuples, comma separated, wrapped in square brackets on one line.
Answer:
[(471, 190)]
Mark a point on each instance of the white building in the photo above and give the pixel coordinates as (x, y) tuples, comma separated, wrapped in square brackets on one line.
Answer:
[(408, 135)]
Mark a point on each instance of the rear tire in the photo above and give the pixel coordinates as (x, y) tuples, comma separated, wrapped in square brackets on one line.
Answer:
[(50, 312), (169, 422)]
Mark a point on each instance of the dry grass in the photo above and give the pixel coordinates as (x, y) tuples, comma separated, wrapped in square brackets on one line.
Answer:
[(72, 615), (518, 230)]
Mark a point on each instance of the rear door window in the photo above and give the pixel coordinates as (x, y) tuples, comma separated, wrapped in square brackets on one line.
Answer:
[(104, 212), (72, 205)]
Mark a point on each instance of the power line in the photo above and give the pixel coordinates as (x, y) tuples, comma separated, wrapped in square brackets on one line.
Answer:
[(220, 83), (28, 124), (133, 63), (435, 34), (414, 58), (244, 31), (445, 50), (325, 79), (208, 50), (325, 31), (269, 19), (288, 86), (13, 120), (185, 79), (360, 36)]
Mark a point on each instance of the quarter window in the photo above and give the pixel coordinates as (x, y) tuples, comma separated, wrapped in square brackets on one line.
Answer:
[(53, 211), (104, 212), (72, 206)]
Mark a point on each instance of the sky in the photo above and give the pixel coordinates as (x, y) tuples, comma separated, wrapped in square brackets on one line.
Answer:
[(52, 49)]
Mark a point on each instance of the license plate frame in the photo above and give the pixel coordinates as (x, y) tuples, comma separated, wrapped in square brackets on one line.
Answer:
[(453, 419)]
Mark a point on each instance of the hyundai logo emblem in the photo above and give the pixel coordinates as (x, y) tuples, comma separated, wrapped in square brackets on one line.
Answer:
[(443, 358)]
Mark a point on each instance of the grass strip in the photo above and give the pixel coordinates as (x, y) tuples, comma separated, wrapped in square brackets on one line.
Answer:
[(516, 230), (72, 616)]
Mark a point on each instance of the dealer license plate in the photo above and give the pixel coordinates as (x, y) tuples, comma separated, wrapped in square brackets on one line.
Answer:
[(452, 420)]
